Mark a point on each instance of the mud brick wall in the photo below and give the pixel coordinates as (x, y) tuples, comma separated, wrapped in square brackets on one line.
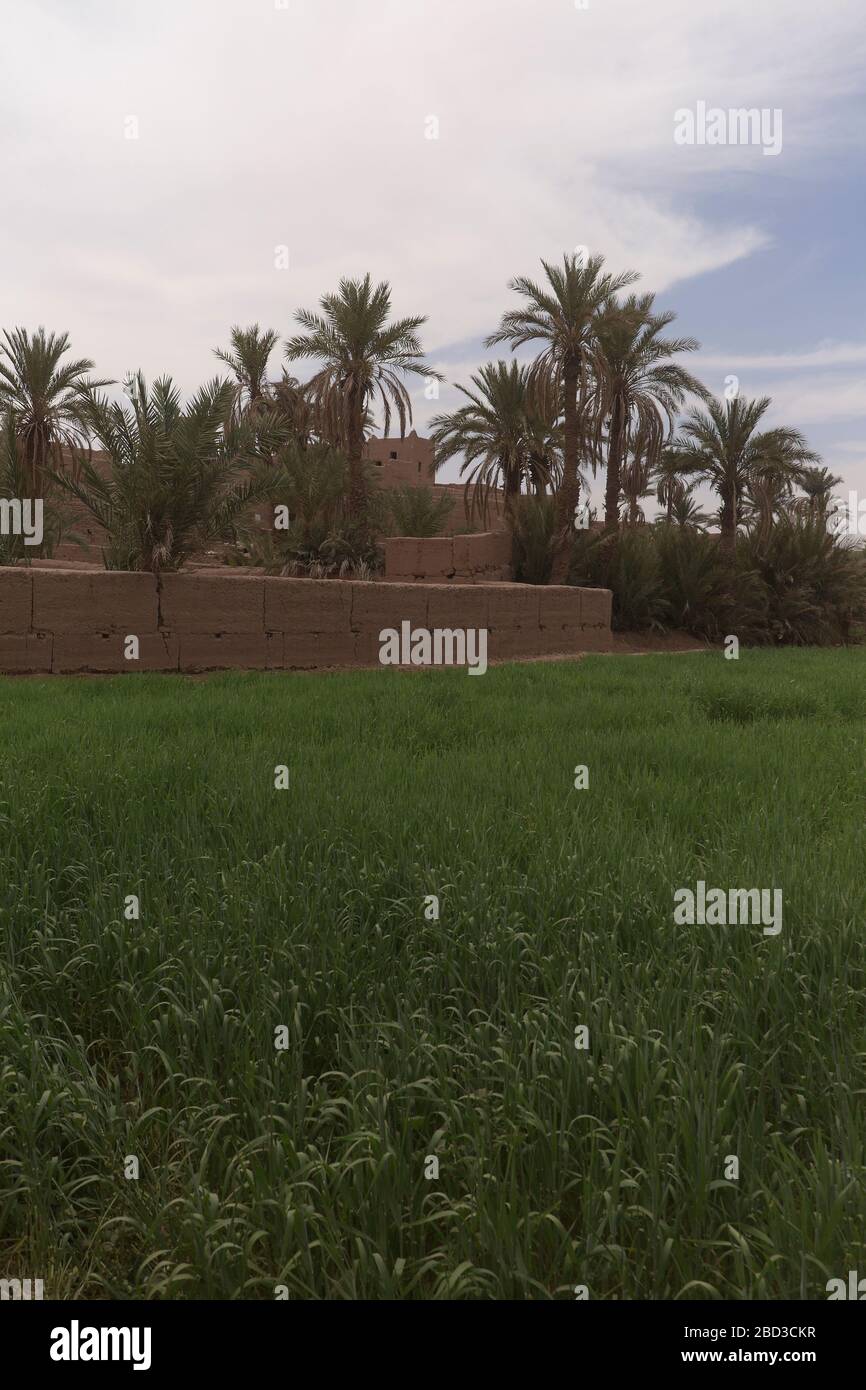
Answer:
[(64, 621), (467, 559)]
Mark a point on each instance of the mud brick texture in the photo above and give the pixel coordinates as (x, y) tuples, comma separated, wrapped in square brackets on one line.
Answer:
[(79, 621)]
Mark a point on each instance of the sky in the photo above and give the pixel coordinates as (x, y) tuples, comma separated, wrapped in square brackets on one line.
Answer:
[(174, 167)]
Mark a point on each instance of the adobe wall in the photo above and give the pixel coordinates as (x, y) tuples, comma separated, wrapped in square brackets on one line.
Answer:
[(464, 559), (67, 621)]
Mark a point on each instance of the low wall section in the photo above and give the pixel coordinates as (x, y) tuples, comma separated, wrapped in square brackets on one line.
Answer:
[(64, 621), (470, 559)]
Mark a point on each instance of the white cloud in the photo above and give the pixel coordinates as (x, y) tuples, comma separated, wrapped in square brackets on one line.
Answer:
[(821, 400), (823, 356), (305, 126)]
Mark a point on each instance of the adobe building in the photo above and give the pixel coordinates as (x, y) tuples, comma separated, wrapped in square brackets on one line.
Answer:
[(409, 462), (399, 462)]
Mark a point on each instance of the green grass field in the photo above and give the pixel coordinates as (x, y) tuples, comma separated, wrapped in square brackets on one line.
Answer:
[(409, 1037)]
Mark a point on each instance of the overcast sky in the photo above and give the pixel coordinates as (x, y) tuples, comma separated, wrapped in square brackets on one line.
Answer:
[(264, 124)]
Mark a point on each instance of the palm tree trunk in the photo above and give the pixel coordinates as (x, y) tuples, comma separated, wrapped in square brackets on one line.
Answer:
[(34, 461), (614, 462), (728, 524), (569, 490), (511, 493), (355, 451)]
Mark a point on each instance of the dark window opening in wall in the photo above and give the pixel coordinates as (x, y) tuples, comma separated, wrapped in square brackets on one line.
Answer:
[(393, 453), (378, 463), (419, 468)]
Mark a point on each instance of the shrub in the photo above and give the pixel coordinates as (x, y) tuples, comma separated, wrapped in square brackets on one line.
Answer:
[(532, 534), (16, 483), (178, 477), (320, 540), (698, 583), (627, 563), (417, 511), (797, 585), (814, 582)]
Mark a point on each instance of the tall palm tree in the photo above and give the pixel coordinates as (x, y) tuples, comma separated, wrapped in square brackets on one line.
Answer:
[(561, 315), (365, 358), (723, 445), (640, 389), (47, 395), (507, 435), (817, 485), (248, 358)]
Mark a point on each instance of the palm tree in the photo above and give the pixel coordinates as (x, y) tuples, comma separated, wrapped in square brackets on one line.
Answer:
[(544, 439), (562, 316), (723, 445), (769, 497), (47, 395), (817, 485), (640, 389), (248, 360), (365, 359), (635, 483), (672, 464), (177, 475), (507, 435), (685, 510), (291, 400)]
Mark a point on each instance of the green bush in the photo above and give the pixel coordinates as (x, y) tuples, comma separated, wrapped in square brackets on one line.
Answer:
[(532, 535), (814, 583), (179, 477), (15, 484), (417, 511), (320, 540), (695, 578), (799, 585), (628, 563)]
